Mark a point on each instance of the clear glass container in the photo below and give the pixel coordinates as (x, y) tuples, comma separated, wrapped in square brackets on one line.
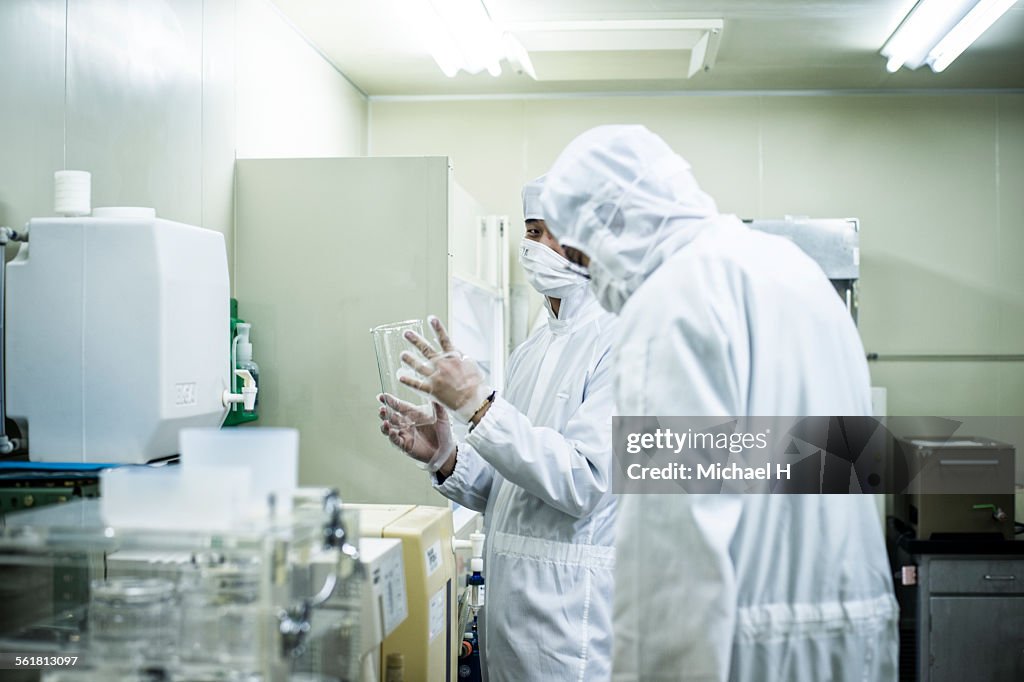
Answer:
[(220, 612), (389, 342), (183, 604), (132, 618)]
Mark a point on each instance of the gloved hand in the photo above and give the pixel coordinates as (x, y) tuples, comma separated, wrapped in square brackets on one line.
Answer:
[(448, 376), (429, 444)]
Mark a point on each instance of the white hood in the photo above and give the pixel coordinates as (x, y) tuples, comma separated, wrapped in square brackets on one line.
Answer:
[(531, 199), (619, 194)]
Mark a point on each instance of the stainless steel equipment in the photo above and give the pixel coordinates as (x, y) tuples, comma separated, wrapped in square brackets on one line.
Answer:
[(833, 243), (963, 486)]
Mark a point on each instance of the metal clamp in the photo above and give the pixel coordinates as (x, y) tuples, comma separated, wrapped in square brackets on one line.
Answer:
[(335, 534), (295, 623), (9, 234)]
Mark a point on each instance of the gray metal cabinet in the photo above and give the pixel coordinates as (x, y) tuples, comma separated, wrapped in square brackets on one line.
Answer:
[(971, 618)]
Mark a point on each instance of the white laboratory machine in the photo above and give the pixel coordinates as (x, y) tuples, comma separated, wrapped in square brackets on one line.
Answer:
[(116, 335)]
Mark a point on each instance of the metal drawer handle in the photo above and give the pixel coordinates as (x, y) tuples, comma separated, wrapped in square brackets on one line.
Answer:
[(1000, 577), (969, 462)]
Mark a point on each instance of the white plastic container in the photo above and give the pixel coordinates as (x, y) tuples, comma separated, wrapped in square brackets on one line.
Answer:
[(270, 455), (117, 336), (165, 498), (72, 192)]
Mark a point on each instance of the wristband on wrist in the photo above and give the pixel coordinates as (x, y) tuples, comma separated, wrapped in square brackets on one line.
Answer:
[(475, 419), (439, 475)]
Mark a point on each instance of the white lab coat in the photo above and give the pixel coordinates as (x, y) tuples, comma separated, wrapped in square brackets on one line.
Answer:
[(539, 466), (746, 587)]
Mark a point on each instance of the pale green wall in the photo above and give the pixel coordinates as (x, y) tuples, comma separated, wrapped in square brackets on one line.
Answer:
[(314, 284), (291, 102), (936, 180)]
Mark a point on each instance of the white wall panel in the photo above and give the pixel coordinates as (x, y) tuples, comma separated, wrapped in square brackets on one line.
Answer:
[(134, 103), (218, 118), (291, 102), (31, 107)]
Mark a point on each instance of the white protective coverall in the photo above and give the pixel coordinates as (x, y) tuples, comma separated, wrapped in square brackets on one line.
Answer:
[(721, 320), (539, 466)]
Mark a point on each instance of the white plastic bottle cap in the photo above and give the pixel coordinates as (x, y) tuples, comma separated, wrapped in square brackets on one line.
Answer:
[(244, 344), (72, 193)]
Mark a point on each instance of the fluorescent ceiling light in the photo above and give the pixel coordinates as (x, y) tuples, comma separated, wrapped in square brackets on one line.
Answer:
[(461, 36), (977, 21), (936, 32), (652, 49)]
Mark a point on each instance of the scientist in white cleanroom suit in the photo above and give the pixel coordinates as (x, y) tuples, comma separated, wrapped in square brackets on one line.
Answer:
[(537, 461), (720, 320)]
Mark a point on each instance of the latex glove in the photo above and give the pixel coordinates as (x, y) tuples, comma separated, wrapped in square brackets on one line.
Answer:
[(429, 444), (447, 375)]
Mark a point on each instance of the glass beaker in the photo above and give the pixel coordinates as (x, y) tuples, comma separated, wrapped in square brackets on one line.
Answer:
[(389, 342), (133, 618), (221, 623)]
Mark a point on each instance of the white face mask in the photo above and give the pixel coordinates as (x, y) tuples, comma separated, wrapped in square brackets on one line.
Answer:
[(549, 273), (609, 291)]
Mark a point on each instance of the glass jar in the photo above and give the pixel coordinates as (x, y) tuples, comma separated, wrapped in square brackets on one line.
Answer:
[(133, 619), (221, 616), (389, 343)]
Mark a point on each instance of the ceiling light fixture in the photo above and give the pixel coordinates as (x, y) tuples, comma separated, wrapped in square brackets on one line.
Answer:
[(653, 49), (461, 36), (935, 32)]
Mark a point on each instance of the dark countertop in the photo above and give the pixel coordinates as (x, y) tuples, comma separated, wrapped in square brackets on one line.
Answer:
[(955, 544), (986, 546)]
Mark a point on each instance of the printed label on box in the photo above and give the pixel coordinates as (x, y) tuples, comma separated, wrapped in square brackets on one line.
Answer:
[(389, 587), (433, 558), (437, 614)]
